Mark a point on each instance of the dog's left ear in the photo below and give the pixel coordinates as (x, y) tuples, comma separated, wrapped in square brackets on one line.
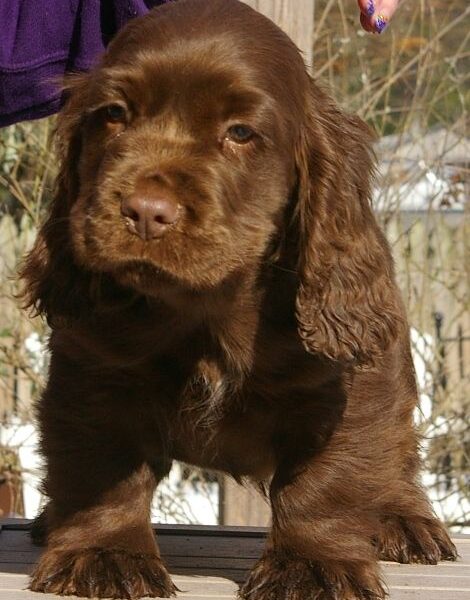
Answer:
[(348, 307)]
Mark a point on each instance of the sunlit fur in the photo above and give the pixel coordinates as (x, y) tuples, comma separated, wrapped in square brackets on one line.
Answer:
[(263, 335)]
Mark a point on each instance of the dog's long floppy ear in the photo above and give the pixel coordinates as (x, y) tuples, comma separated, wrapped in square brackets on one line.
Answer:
[(52, 284), (347, 304)]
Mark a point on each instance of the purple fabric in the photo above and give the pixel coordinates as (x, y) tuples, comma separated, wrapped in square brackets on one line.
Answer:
[(40, 40)]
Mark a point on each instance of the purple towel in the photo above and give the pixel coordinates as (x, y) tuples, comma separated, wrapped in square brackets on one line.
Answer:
[(40, 40)]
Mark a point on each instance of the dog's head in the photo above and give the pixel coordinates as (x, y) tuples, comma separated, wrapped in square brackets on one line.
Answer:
[(181, 151)]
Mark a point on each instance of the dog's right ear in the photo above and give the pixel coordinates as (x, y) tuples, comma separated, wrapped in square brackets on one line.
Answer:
[(52, 284)]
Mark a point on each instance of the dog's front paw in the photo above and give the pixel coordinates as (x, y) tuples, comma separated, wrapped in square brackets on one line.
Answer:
[(277, 577), (102, 573)]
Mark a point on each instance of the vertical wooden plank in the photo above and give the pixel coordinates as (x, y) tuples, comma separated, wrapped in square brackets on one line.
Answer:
[(295, 17), (242, 505)]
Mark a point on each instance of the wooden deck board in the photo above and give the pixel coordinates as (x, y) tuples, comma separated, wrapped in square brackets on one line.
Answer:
[(206, 563)]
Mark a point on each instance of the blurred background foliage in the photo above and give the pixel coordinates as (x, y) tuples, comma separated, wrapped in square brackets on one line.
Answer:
[(416, 73)]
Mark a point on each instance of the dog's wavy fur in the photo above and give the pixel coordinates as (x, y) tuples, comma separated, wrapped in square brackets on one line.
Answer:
[(262, 335)]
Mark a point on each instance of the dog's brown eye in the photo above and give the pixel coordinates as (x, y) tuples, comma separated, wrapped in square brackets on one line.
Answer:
[(240, 134), (116, 113)]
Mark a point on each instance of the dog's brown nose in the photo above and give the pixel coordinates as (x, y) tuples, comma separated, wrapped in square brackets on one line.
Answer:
[(148, 215)]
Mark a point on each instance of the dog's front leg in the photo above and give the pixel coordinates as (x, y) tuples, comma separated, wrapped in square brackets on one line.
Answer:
[(320, 547), (99, 539)]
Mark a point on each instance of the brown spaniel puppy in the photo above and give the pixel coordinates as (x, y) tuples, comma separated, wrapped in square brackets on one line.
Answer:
[(220, 293)]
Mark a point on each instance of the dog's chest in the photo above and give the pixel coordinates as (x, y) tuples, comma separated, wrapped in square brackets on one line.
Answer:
[(209, 392), (240, 424), (220, 427)]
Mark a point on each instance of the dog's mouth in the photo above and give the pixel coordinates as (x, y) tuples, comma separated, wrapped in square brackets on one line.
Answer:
[(145, 277)]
